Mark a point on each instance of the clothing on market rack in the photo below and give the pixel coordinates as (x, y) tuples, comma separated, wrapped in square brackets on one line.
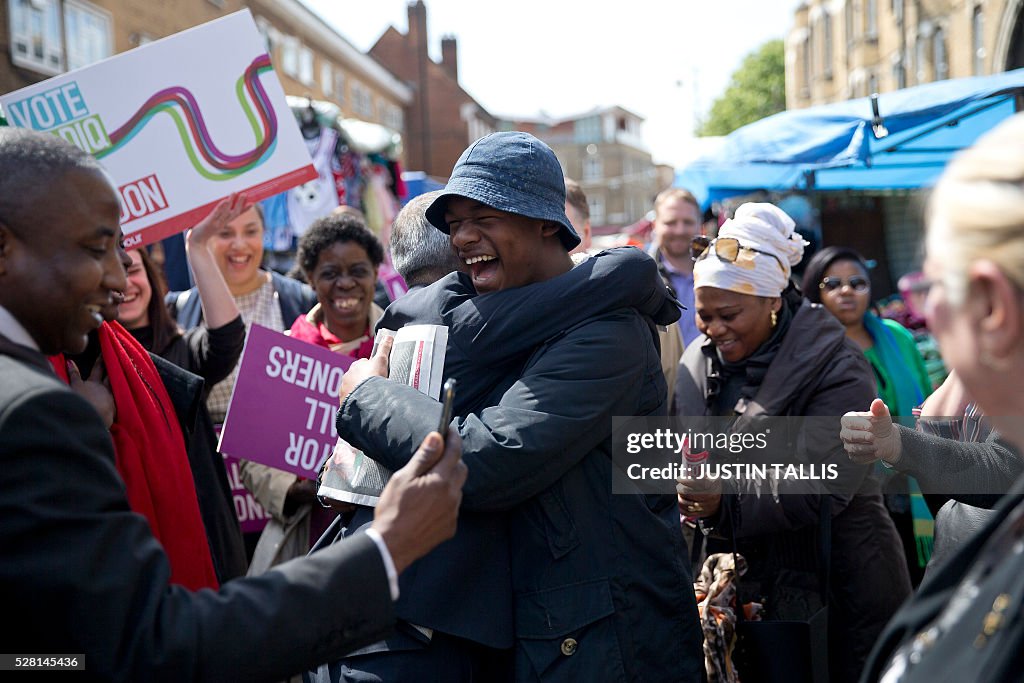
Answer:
[(346, 176), (318, 197)]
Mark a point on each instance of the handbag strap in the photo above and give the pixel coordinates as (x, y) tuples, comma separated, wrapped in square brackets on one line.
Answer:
[(824, 564)]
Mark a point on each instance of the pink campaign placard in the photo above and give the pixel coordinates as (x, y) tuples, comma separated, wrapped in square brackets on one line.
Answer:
[(393, 282), (251, 515), (285, 400)]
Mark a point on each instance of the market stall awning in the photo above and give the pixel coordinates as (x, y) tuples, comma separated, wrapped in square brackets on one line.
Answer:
[(846, 146)]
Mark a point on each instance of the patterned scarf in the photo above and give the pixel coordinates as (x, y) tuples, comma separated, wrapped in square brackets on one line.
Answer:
[(715, 589)]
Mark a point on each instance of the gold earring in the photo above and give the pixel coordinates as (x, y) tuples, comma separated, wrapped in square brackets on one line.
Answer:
[(775, 319)]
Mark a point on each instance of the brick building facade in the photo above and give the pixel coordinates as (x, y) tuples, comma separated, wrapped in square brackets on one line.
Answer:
[(842, 49), (42, 38), (442, 118)]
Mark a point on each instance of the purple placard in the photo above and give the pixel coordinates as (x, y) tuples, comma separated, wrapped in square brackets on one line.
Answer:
[(285, 400), (251, 515)]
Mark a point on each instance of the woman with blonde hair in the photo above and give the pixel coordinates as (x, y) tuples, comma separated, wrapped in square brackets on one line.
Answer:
[(964, 623)]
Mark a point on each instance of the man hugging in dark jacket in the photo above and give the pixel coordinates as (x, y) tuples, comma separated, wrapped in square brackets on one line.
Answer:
[(545, 356)]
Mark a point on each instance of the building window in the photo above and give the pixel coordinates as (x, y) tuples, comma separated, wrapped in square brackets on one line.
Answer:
[(805, 67), (593, 169), (871, 19), (596, 204), (36, 35), (939, 61), (475, 128), (978, 32), (631, 207), (848, 17), (362, 100), (587, 129), (812, 52), (921, 59), (305, 65), (393, 117), (826, 40), (290, 56), (326, 79), (899, 74), (88, 34), (339, 87)]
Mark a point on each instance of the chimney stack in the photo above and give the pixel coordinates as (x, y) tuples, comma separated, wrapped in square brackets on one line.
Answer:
[(450, 55), (418, 28)]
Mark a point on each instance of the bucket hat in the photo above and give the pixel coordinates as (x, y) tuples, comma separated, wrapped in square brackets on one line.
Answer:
[(512, 172)]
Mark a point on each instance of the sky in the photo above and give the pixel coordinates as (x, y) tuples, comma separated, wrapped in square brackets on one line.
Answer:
[(665, 60)]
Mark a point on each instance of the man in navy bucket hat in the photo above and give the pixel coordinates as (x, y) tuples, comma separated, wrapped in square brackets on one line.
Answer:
[(513, 172), (545, 354)]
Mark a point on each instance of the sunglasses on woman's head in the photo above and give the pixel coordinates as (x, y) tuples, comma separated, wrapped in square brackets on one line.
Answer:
[(726, 248), (857, 283)]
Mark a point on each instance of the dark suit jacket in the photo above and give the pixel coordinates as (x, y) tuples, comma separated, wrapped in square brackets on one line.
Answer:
[(81, 573)]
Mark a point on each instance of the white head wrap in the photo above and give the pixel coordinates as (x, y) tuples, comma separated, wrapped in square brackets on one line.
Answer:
[(764, 227)]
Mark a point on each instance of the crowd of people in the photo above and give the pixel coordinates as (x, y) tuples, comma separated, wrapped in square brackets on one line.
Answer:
[(511, 545)]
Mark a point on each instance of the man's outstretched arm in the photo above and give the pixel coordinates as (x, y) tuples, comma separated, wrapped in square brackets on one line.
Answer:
[(82, 573)]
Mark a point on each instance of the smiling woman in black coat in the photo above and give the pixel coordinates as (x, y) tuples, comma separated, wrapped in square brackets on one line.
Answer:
[(767, 352)]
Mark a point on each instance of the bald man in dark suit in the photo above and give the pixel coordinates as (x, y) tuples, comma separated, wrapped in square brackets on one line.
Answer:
[(80, 572)]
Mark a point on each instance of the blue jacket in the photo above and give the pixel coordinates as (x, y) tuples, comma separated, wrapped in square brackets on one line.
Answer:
[(600, 589)]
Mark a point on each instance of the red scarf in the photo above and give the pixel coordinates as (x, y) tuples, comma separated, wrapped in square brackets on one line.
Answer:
[(150, 456)]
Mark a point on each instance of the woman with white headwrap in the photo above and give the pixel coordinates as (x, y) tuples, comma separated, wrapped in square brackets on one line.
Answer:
[(768, 352)]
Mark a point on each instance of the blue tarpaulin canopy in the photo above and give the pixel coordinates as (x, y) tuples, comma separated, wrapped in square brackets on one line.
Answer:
[(844, 146), (418, 182)]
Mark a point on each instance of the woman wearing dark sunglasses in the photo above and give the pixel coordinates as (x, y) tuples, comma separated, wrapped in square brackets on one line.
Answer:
[(767, 352), (837, 278)]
